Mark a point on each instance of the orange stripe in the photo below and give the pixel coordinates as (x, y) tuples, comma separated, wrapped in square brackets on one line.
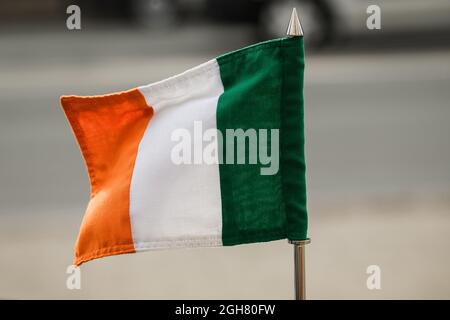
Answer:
[(108, 129)]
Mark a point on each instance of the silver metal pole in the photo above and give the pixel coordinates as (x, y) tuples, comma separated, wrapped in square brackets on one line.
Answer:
[(299, 268), (295, 29)]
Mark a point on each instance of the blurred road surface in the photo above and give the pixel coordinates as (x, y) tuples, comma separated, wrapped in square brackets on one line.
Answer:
[(378, 151)]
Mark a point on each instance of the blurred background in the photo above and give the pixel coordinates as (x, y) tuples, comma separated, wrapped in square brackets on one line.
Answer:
[(378, 145)]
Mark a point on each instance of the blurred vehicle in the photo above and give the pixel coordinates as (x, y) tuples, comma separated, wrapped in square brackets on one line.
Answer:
[(322, 20)]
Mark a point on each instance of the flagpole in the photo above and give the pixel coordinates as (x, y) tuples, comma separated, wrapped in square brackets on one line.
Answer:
[(295, 30), (299, 268)]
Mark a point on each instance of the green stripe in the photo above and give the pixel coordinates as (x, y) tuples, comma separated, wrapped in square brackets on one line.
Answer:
[(263, 89)]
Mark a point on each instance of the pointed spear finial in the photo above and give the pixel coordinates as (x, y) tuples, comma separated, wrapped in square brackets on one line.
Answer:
[(295, 28)]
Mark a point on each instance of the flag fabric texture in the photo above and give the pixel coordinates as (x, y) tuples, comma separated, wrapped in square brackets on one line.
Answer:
[(140, 200)]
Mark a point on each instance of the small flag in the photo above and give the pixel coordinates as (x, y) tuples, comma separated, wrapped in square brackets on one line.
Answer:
[(211, 157)]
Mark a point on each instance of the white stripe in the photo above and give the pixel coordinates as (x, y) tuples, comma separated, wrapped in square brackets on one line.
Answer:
[(177, 205)]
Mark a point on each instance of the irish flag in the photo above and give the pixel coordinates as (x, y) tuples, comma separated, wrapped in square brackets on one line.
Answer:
[(213, 156)]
